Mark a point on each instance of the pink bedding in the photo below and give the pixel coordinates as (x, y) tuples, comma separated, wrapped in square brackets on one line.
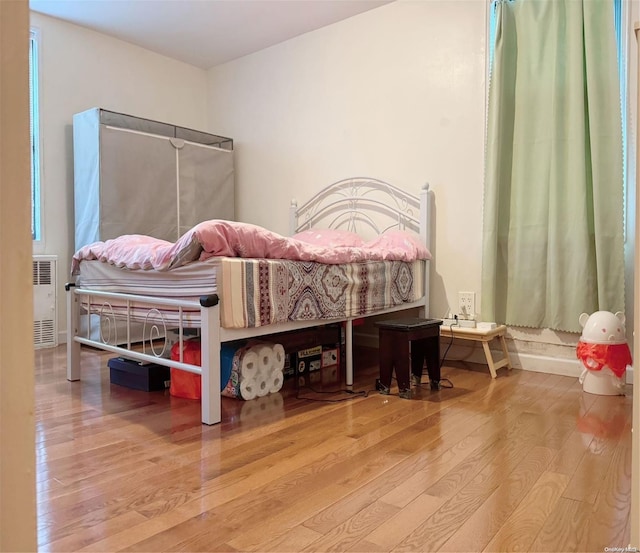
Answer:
[(232, 239)]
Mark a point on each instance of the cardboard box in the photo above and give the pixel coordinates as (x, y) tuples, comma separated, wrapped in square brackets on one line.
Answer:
[(330, 356), (147, 377), (307, 360)]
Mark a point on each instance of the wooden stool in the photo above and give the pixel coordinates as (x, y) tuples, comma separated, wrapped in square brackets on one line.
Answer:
[(484, 336), (408, 343)]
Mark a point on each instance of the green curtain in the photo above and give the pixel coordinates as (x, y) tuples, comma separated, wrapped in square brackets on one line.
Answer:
[(553, 205)]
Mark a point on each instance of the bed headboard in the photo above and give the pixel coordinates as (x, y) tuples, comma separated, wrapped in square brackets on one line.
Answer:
[(365, 206)]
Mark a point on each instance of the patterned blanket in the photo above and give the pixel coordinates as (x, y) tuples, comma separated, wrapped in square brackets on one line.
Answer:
[(259, 292)]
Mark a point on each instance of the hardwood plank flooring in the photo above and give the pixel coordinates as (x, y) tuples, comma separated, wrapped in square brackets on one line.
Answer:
[(524, 462)]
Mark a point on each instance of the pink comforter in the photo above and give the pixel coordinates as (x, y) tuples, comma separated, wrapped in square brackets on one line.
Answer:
[(232, 239)]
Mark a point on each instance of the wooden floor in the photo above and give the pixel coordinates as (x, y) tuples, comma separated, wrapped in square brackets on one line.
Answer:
[(525, 462)]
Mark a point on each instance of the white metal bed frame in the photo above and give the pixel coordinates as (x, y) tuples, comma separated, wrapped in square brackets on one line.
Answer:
[(356, 204)]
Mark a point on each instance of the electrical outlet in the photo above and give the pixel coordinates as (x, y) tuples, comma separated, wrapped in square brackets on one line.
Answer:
[(467, 305)]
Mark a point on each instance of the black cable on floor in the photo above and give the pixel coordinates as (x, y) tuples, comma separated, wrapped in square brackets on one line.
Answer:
[(450, 384), (352, 394), (363, 393)]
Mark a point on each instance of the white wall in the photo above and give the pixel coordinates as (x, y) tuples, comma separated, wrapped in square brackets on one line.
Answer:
[(396, 93), (81, 69)]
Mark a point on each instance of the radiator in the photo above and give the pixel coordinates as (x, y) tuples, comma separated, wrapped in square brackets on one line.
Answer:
[(45, 317)]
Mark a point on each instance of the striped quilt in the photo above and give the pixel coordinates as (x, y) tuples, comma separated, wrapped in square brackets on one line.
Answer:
[(258, 292)]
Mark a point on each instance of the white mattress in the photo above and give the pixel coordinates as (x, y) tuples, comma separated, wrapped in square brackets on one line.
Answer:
[(189, 281)]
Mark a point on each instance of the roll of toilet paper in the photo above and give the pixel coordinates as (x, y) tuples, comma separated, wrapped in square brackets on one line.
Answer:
[(278, 357), (262, 384), (276, 379), (248, 389), (249, 365), (265, 358)]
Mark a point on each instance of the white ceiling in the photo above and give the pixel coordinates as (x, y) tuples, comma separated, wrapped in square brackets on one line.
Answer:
[(204, 33)]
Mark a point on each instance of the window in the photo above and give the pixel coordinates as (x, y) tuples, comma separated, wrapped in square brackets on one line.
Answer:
[(34, 112), (492, 32), (619, 16)]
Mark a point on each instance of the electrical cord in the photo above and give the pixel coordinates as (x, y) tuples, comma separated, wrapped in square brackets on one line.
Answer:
[(448, 384), (445, 382), (352, 394), (450, 341)]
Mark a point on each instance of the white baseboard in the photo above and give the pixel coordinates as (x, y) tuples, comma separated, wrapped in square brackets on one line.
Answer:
[(523, 361), (544, 364), (536, 363)]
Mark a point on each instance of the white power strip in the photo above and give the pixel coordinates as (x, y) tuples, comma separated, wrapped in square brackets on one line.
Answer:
[(460, 323)]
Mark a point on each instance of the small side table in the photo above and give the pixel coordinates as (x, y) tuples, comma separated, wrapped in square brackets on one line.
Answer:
[(484, 336), (408, 343)]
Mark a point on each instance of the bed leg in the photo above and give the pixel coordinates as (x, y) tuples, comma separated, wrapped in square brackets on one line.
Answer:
[(73, 324), (348, 340), (210, 344)]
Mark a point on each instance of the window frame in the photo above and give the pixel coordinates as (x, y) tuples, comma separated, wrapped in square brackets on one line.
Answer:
[(37, 219)]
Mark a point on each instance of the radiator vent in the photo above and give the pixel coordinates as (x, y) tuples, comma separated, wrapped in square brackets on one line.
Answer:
[(45, 317)]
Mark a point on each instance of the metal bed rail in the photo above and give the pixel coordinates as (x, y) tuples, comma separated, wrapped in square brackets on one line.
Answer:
[(209, 330)]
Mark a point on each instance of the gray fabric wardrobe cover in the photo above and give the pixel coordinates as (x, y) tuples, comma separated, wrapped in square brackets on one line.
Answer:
[(135, 176)]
